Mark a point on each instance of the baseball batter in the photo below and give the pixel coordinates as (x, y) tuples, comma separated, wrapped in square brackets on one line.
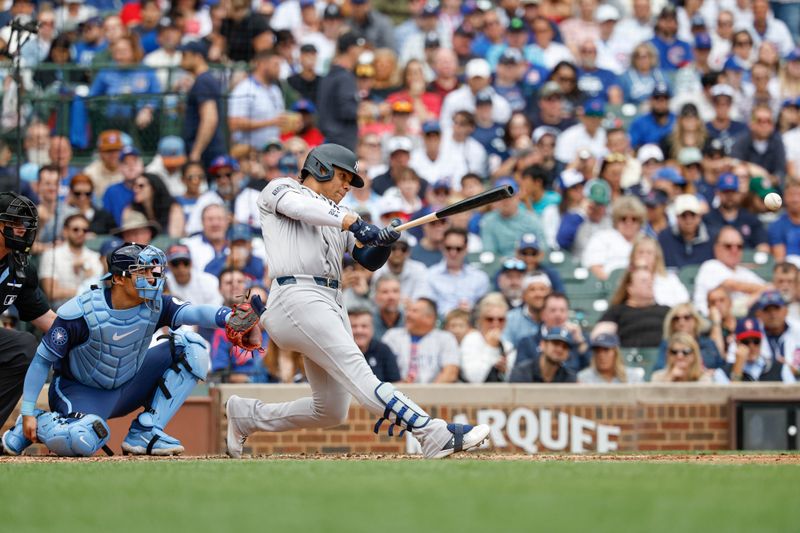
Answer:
[(306, 234)]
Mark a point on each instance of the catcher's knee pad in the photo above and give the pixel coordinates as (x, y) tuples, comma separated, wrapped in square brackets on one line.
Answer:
[(190, 365), (400, 410), (74, 435)]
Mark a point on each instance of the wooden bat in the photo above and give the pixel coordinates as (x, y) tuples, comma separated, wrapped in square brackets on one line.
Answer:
[(467, 204)]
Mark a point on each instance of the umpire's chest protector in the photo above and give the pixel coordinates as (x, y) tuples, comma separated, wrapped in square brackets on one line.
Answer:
[(117, 344)]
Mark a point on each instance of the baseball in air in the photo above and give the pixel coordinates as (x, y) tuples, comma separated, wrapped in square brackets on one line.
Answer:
[(773, 201)]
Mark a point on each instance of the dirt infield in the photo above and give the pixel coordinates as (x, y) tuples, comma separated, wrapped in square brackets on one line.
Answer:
[(704, 458)]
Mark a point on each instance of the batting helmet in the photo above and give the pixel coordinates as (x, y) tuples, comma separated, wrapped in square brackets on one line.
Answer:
[(17, 210), (321, 160), (130, 258)]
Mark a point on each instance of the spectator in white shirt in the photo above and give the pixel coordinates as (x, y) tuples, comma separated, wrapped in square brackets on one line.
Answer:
[(479, 75), (188, 284), (588, 134), (610, 249), (485, 356), (166, 58), (461, 153)]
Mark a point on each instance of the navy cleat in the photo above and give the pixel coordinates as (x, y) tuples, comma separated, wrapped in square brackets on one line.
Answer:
[(465, 437), (142, 440), (14, 441)]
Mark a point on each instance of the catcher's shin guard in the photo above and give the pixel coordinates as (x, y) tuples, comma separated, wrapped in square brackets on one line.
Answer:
[(190, 365), (74, 435), (400, 410)]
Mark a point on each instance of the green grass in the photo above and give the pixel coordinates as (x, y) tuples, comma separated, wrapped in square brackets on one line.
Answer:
[(388, 496)]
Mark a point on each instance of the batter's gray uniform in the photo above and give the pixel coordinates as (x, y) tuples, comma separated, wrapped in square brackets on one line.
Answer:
[(312, 319)]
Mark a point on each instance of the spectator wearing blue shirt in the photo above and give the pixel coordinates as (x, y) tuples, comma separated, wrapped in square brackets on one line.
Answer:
[(731, 213), (672, 52), (690, 159), (120, 195), (721, 126), (507, 78), (239, 255), (784, 233), (687, 242), (147, 29), (529, 250), (453, 282), (379, 356), (642, 75), (90, 41), (655, 125), (593, 81), (488, 132)]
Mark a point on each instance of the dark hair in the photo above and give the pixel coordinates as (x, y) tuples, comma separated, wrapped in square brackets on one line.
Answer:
[(265, 54), (457, 231), (46, 168), (535, 172), (469, 117), (230, 270), (75, 216), (470, 176), (507, 130), (785, 268), (557, 296), (162, 200), (359, 311), (189, 164), (431, 305)]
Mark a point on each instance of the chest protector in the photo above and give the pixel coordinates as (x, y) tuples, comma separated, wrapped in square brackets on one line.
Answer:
[(117, 344)]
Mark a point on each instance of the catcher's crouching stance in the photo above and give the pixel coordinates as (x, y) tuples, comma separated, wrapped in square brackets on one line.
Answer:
[(103, 368)]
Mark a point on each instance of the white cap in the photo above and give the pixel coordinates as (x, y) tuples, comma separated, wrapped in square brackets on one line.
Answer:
[(478, 68), (605, 13), (396, 144), (390, 204), (648, 152), (541, 131), (536, 278), (722, 89), (571, 177), (687, 203)]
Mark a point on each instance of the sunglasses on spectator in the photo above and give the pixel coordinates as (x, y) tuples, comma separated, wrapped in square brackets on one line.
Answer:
[(630, 219), (529, 252), (457, 249), (87, 194), (194, 176), (79, 229), (224, 174), (496, 319), (742, 43), (686, 352), (732, 245), (400, 246), (682, 317), (751, 342), (179, 262)]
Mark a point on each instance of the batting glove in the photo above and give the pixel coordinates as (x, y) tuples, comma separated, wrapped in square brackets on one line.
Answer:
[(366, 233), (388, 234)]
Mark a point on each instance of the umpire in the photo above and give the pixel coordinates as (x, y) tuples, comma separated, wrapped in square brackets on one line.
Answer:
[(19, 286)]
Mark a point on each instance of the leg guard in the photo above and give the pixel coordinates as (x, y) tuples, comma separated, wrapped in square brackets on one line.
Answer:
[(190, 365), (400, 410), (74, 435)]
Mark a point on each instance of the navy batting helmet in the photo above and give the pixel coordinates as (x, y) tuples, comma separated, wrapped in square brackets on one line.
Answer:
[(321, 160), (18, 211)]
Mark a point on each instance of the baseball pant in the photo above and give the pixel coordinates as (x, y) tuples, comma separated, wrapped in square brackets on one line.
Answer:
[(312, 320), (17, 349)]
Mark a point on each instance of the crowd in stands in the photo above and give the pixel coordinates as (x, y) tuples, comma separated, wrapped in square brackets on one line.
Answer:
[(640, 138)]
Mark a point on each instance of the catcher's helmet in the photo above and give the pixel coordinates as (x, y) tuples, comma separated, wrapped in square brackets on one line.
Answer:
[(131, 257), (321, 160), (16, 210)]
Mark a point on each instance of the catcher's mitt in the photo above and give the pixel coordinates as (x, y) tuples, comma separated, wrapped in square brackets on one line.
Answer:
[(241, 325)]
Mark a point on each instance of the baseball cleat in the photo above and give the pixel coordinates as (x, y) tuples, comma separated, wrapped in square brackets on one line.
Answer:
[(14, 442), (236, 436), (465, 437), (142, 440)]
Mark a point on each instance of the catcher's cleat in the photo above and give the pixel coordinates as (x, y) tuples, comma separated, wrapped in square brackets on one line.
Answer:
[(465, 437), (142, 440)]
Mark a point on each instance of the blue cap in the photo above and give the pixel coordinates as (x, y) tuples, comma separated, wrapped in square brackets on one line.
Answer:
[(748, 328), (661, 89), (506, 181), (359, 1), (288, 164), (558, 334), (529, 242), (483, 97), (468, 7), (221, 162), (655, 197), (431, 126), (794, 55), (128, 150), (442, 184), (304, 106), (110, 245), (594, 107), (770, 298), (194, 47), (240, 232), (430, 9), (669, 174), (306, 3), (605, 340), (733, 64), (702, 41), (728, 182)]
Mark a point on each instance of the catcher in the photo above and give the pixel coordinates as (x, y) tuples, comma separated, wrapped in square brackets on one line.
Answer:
[(103, 367)]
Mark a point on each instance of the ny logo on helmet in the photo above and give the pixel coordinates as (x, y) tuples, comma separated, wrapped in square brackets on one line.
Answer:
[(355, 167)]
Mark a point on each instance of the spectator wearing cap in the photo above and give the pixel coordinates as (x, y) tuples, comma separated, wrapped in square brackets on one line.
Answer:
[(673, 53), (643, 74), (166, 57), (731, 213), (612, 48), (108, 246), (136, 228), (118, 196), (548, 110), (238, 254), (460, 152), (127, 53), (424, 28), (610, 249), (503, 226), (657, 220), (478, 74), (762, 145), (780, 346), (651, 159), (508, 281), (453, 282), (168, 162), (89, 41), (570, 184), (747, 362), (690, 158), (428, 160), (552, 52), (399, 150), (588, 134), (578, 227), (256, 109), (224, 176), (187, 283), (607, 364), (492, 33), (547, 365), (687, 242), (726, 270), (370, 24), (525, 320), (489, 133), (485, 356), (784, 233), (338, 94), (687, 80), (105, 170), (593, 80), (517, 36), (201, 131), (461, 42), (654, 126), (511, 68), (306, 81)]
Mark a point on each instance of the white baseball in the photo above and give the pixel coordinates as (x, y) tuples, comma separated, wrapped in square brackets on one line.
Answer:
[(773, 201)]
